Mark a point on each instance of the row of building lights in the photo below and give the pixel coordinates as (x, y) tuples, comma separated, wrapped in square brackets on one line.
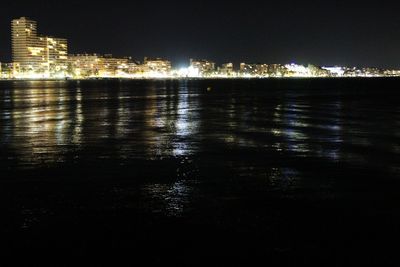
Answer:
[(43, 57)]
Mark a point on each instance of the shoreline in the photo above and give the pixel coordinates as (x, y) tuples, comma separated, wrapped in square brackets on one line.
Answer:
[(197, 78)]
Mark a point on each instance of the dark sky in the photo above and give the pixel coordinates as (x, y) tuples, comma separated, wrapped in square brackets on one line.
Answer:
[(354, 33)]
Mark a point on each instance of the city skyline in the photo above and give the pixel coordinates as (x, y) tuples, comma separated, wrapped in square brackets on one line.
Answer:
[(34, 52), (199, 133), (37, 56), (347, 34)]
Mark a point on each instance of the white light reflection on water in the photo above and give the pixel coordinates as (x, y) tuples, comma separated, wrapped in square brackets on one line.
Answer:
[(77, 131), (157, 134), (238, 128), (187, 124), (39, 118), (41, 122), (6, 117), (171, 121), (301, 135), (333, 139), (172, 200), (294, 121)]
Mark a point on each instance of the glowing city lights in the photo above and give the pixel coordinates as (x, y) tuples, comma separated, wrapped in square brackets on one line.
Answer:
[(44, 57)]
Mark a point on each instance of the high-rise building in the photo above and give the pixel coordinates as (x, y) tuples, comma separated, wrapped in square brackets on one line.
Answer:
[(34, 54), (27, 49), (57, 54)]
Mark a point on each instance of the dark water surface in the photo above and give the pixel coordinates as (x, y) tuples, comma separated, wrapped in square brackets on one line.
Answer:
[(287, 172)]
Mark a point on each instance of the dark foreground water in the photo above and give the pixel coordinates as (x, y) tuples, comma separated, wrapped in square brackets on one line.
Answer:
[(282, 172)]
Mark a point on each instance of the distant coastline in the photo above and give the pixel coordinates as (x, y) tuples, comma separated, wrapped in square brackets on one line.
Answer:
[(197, 78)]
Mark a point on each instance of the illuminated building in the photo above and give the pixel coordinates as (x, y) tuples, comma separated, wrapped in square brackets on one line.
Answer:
[(335, 71), (84, 65), (156, 67), (114, 66), (39, 56), (28, 51), (6, 70), (276, 70), (227, 69), (57, 55), (253, 69), (295, 70), (95, 65), (316, 71), (36, 56), (203, 67)]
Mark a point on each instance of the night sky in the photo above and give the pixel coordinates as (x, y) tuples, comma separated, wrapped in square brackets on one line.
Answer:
[(353, 33)]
